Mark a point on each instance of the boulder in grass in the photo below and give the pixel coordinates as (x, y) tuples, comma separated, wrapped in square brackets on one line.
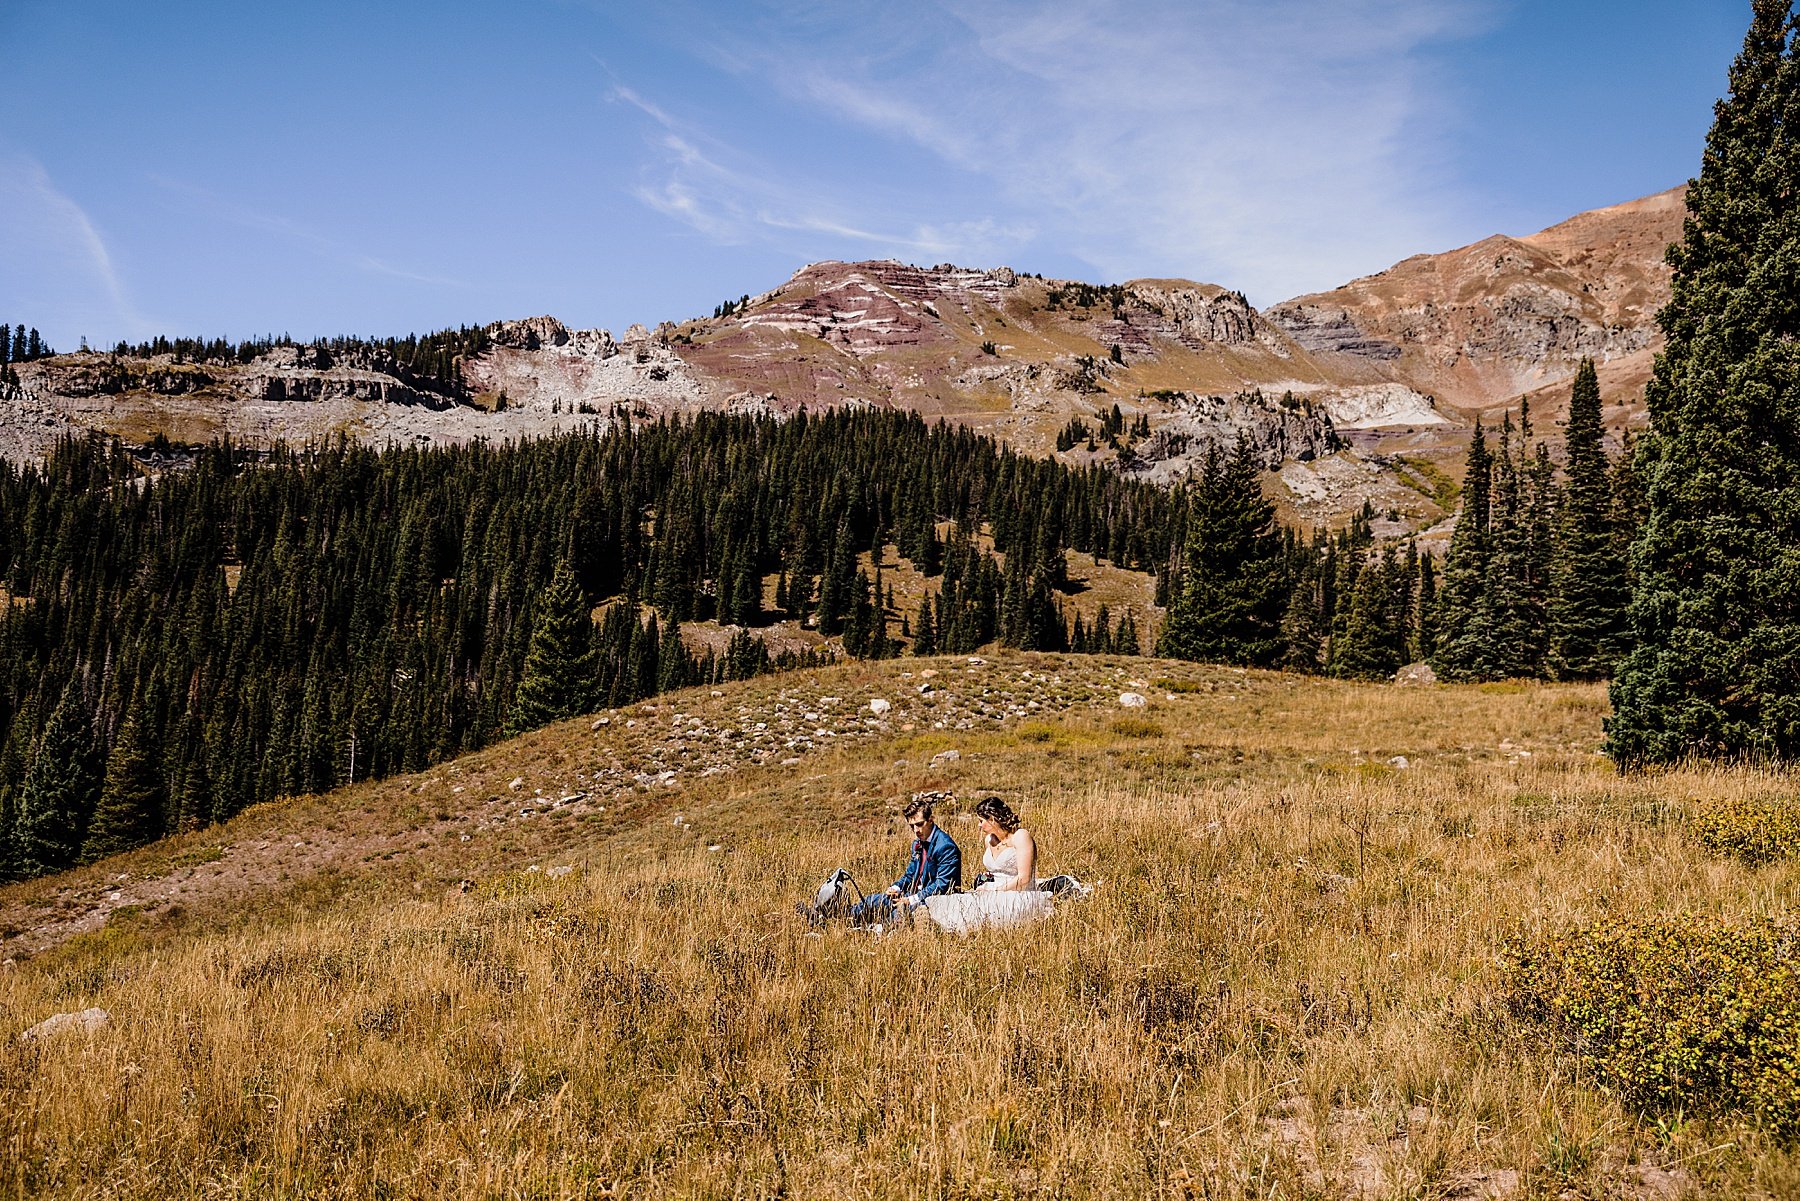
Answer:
[(1416, 675), (1132, 700), (880, 707), (85, 1020)]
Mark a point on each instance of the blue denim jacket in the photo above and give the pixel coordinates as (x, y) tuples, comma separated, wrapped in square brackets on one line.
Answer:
[(943, 867)]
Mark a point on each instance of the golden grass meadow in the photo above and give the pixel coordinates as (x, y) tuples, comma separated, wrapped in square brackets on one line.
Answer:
[(1290, 981)]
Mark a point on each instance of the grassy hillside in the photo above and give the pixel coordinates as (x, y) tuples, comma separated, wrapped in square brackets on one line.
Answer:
[(1288, 984)]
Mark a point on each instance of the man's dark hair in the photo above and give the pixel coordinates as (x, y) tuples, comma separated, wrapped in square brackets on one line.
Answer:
[(917, 807)]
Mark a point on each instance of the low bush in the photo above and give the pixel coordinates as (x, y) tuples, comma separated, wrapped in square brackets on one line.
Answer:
[(1692, 1015), (1755, 831)]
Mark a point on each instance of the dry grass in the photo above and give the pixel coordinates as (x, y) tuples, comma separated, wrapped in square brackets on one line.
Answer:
[(1286, 985)]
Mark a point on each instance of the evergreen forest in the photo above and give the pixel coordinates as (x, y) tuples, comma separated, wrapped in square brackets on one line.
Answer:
[(176, 646)]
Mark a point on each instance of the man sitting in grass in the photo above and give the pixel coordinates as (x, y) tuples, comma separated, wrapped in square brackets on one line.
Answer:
[(934, 867)]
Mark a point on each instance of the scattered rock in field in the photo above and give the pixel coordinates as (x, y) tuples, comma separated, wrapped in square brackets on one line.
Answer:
[(1416, 675), (518, 783), (1132, 700), (790, 761), (1495, 1184), (86, 1020), (945, 757), (1400, 761), (879, 707), (559, 871), (977, 661), (600, 721), (926, 689)]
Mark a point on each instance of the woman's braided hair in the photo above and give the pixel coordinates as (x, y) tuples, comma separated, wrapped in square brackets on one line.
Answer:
[(998, 812)]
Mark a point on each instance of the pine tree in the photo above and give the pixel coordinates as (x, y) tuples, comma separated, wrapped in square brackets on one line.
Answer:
[(1715, 611), (1303, 627), (1511, 589), (560, 673), (58, 793), (1125, 638), (837, 595), (1465, 637), (130, 810), (925, 639), (1229, 603), (1588, 585), (1370, 645)]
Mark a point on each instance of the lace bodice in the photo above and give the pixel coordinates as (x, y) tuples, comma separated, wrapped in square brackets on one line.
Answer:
[(1003, 860)]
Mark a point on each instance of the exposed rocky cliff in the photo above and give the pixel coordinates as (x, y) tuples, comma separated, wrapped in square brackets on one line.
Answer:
[(1280, 429), (1478, 326)]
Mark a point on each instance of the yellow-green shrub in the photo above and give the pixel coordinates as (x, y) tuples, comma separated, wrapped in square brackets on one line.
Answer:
[(1755, 831), (1691, 1015)]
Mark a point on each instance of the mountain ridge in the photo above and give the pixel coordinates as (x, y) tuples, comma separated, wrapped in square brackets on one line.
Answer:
[(1335, 386)]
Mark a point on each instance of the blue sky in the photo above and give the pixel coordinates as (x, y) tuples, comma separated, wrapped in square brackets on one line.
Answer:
[(201, 167)]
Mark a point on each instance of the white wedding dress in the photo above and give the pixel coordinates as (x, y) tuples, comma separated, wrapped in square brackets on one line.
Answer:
[(961, 912)]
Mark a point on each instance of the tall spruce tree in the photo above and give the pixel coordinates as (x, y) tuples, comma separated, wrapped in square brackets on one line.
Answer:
[(130, 810), (1715, 611), (560, 673), (58, 793), (1588, 594), (1464, 632), (1229, 603)]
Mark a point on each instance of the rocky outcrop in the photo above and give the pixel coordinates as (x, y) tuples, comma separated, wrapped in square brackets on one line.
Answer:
[(81, 375), (1282, 431), (311, 374), (1531, 322), (1197, 316), (1329, 328), (529, 333), (1377, 406)]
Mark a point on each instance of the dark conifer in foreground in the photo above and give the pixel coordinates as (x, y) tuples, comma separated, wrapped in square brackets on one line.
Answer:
[(1715, 609), (57, 795), (1228, 604), (1465, 636), (1588, 586), (130, 809), (560, 675)]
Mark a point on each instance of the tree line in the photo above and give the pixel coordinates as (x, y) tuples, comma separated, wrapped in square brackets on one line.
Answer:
[(178, 646), (1534, 583), (432, 362), (19, 345)]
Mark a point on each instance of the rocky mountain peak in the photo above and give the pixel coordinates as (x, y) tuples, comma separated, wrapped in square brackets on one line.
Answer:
[(529, 333)]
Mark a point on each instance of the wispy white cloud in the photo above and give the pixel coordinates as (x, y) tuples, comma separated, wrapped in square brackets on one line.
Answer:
[(735, 197), (285, 227), (49, 240), (1277, 148)]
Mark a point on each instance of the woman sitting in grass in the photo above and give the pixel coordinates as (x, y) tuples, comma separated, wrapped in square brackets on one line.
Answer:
[(1008, 892)]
